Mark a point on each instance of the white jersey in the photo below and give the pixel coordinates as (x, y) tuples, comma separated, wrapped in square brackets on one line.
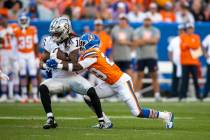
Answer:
[(206, 44), (49, 45)]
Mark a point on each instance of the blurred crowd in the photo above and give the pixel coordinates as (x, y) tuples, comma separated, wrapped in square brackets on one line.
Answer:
[(133, 50), (159, 10)]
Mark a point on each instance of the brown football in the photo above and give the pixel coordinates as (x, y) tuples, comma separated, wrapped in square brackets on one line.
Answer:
[(62, 55)]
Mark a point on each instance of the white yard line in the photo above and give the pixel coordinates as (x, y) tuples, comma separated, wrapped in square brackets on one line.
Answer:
[(75, 118)]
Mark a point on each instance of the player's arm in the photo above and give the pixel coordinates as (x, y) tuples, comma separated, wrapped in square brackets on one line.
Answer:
[(73, 56), (44, 58), (81, 65)]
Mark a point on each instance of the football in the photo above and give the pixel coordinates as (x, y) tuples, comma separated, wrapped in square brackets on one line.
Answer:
[(62, 55)]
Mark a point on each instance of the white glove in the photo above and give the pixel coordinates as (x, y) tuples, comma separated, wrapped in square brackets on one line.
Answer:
[(53, 55), (3, 76)]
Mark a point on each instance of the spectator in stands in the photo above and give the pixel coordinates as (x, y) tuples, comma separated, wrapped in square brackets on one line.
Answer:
[(168, 14), (153, 13), (207, 12), (106, 41), (190, 46), (10, 3), (89, 9), (197, 10), (174, 56), (32, 11), (122, 42), (136, 14), (206, 50), (104, 12), (146, 39), (184, 15), (121, 9), (45, 13), (15, 11)]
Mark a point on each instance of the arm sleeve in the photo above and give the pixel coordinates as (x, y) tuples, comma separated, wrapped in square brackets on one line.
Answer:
[(87, 62)]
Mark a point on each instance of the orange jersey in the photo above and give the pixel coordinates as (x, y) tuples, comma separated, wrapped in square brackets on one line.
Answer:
[(103, 68), (6, 35), (26, 39), (106, 41), (188, 43)]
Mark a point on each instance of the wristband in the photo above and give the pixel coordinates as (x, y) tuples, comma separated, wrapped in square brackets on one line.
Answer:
[(44, 65), (60, 66), (70, 66)]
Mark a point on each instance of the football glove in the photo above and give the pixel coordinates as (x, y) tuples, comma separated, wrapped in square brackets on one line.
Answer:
[(51, 63)]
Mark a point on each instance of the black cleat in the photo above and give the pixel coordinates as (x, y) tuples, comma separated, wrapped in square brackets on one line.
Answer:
[(51, 123)]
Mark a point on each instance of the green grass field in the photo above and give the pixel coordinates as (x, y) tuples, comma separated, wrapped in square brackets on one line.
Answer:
[(24, 122)]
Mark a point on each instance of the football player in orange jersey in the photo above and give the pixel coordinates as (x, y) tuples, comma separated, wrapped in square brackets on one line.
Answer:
[(27, 48), (8, 61), (115, 81)]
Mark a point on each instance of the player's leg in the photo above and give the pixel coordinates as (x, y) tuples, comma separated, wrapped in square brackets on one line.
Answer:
[(16, 81), (4, 90), (23, 79), (4, 83), (103, 90), (207, 87), (47, 88), (33, 75), (83, 87), (126, 92)]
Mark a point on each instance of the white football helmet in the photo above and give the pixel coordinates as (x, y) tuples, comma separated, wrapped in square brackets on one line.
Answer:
[(60, 28), (23, 21)]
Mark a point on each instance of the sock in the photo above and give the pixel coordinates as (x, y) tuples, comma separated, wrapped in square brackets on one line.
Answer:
[(16, 89), (50, 115), (24, 91), (163, 115), (157, 94), (101, 119), (34, 86), (45, 98), (4, 89), (95, 102), (34, 92), (149, 113)]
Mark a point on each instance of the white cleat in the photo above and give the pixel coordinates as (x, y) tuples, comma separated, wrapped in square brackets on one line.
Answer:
[(169, 121), (3, 98), (107, 124)]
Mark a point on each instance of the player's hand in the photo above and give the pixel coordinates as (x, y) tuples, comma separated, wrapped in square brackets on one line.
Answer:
[(3, 76), (51, 63)]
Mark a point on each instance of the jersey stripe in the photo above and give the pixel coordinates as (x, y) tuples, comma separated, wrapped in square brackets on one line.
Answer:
[(89, 54)]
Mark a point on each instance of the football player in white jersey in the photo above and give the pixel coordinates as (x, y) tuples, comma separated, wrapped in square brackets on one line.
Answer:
[(62, 38), (8, 61)]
